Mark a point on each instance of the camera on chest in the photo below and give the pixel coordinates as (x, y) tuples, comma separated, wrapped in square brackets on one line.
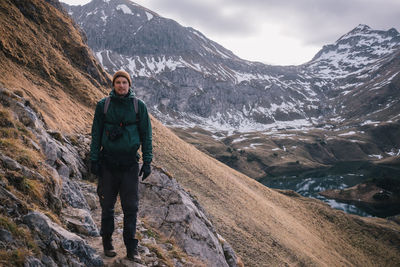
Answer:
[(115, 133)]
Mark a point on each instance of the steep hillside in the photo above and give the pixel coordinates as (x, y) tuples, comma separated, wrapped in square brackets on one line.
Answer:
[(44, 55), (266, 227)]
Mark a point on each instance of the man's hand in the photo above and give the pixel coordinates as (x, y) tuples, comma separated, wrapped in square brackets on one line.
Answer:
[(145, 170), (95, 168)]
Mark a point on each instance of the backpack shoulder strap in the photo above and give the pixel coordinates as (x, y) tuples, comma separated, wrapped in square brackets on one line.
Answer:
[(106, 104), (136, 105)]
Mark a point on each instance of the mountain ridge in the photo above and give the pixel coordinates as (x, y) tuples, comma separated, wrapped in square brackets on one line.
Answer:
[(251, 95)]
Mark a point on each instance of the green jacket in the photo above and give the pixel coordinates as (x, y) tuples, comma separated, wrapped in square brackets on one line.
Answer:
[(121, 110)]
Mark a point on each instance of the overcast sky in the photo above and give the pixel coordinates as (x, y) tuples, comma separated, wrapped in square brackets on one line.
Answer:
[(280, 32)]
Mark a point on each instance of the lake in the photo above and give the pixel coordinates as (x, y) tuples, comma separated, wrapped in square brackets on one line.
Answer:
[(311, 186)]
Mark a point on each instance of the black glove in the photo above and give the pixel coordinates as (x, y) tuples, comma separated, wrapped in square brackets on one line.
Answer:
[(95, 168), (145, 170)]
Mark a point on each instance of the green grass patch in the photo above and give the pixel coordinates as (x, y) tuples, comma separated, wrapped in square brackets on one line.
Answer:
[(152, 233)]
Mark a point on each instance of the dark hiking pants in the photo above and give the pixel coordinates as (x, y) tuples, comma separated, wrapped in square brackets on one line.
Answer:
[(125, 182)]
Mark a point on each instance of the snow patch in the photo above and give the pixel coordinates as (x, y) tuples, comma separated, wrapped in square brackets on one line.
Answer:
[(240, 139), (99, 57), (376, 156), (348, 133), (125, 9), (393, 152), (149, 15), (368, 122), (103, 17)]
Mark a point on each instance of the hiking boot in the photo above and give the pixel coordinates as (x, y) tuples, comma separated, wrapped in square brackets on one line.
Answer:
[(108, 247), (133, 256), (132, 251)]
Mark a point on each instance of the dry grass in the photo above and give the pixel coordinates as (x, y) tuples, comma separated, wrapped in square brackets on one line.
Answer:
[(14, 258), (49, 67), (14, 141)]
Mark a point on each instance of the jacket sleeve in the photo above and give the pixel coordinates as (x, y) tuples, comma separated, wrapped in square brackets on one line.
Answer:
[(97, 130), (145, 133)]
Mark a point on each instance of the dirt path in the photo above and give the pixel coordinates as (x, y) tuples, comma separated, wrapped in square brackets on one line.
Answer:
[(96, 243)]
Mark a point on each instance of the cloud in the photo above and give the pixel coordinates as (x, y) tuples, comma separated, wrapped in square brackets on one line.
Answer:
[(210, 15), (314, 22)]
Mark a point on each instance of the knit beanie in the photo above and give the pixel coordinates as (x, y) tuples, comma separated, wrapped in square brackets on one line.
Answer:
[(122, 73)]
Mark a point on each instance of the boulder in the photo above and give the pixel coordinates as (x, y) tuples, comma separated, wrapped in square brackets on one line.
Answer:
[(57, 241), (173, 211), (80, 221)]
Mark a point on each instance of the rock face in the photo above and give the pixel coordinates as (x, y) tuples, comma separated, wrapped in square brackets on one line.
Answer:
[(186, 78), (61, 174), (171, 210)]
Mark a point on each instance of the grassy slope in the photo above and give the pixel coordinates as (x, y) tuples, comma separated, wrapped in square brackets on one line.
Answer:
[(268, 228), (44, 55), (265, 227)]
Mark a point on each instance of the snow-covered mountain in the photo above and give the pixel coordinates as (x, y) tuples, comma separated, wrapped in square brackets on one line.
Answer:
[(359, 74), (188, 79), (354, 53)]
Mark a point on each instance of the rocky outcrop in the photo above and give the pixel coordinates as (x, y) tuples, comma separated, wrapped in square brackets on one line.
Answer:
[(61, 175), (174, 212)]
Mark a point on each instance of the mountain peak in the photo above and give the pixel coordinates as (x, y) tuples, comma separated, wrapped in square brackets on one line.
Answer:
[(362, 28), (358, 48), (393, 32)]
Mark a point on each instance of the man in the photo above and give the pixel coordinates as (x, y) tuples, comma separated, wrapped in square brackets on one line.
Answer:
[(120, 125)]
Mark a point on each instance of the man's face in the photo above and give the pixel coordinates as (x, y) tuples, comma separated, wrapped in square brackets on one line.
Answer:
[(121, 85)]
